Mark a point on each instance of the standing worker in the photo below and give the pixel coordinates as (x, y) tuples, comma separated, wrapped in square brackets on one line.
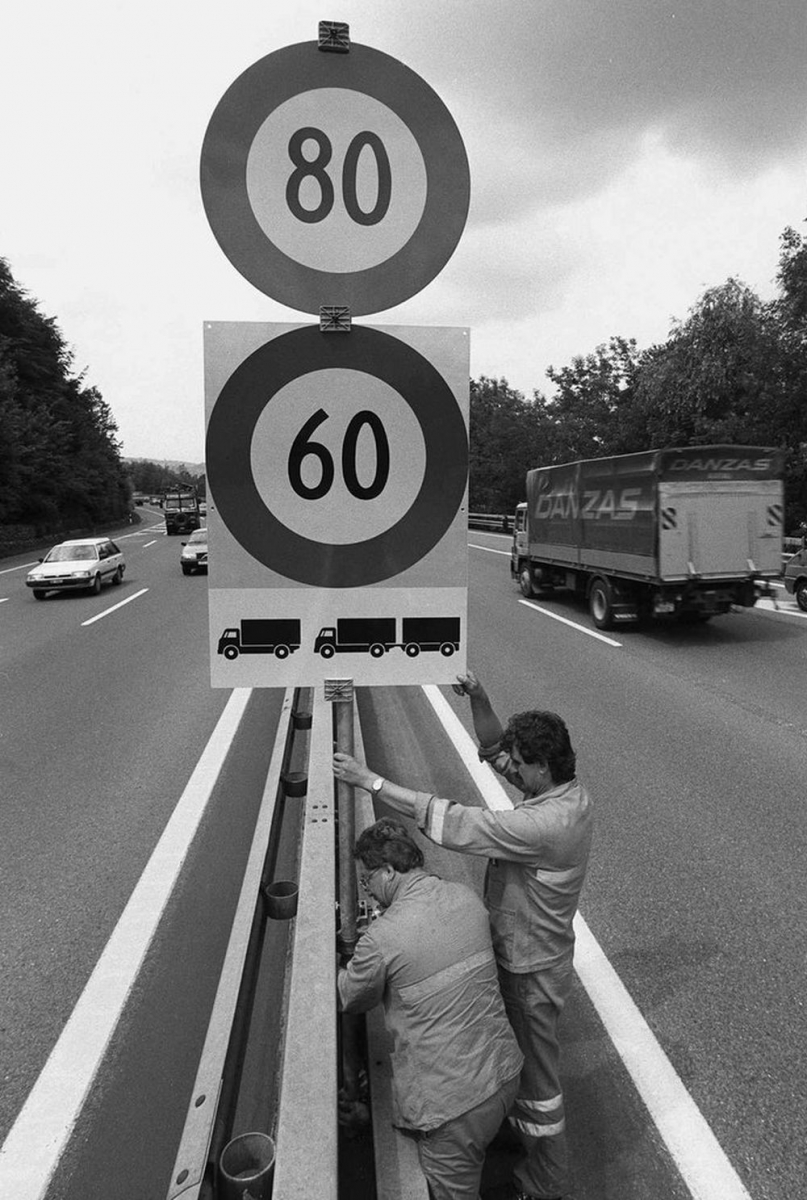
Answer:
[(538, 854), (429, 959)]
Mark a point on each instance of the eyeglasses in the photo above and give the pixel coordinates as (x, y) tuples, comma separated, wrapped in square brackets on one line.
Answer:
[(364, 880)]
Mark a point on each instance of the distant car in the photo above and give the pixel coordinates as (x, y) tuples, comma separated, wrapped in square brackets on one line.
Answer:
[(194, 553), (81, 563), (795, 575)]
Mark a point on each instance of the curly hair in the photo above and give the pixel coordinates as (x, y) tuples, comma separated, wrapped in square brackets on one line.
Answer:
[(388, 841), (542, 737)]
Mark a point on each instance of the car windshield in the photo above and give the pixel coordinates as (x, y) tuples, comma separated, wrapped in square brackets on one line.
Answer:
[(199, 536), (72, 553)]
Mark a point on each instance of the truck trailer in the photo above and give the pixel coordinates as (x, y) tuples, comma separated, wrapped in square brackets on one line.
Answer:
[(678, 533), (430, 633), (278, 636)]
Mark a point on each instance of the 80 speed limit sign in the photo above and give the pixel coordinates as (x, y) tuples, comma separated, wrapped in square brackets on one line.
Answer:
[(334, 179)]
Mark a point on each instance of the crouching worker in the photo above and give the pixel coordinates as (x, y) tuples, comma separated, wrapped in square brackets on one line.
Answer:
[(428, 958)]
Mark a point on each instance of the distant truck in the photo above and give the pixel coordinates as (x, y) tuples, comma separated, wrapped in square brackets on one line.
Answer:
[(278, 636), (377, 635), (683, 533), (181, 507)]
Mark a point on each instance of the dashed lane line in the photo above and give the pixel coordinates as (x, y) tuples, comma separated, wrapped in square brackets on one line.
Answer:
[(120, 604), (699, 1157)]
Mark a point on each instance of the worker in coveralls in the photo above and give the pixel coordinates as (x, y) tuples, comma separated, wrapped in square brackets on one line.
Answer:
[(538, 853), (429, 959)]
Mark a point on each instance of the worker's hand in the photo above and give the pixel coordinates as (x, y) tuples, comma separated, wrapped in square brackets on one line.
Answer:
[(468, 685), (350, 770)]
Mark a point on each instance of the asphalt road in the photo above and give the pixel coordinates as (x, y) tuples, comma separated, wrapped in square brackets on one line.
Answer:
[(693, 741)]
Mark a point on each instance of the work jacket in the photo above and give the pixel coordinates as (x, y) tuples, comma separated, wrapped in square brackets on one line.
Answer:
[(538, 854), (428, 958)]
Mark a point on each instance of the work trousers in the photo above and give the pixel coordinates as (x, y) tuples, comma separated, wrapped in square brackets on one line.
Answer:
[(452, 1156), (533, 1002)]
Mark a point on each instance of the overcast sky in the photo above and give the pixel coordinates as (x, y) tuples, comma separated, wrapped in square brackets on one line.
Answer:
[(624, 154)]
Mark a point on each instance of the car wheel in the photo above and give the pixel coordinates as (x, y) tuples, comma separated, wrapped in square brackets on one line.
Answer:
[(39, 594), (117, 578), (95, 586), (186, 570), (801, 594), (599, 602)]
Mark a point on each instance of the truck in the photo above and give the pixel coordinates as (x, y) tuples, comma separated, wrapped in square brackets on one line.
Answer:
[(357, 635), (430, 633), (278, 635), (679, 533), (181, 507)]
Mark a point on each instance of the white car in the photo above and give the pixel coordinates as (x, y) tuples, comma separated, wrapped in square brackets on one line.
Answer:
[(81, 563), (194, 552)]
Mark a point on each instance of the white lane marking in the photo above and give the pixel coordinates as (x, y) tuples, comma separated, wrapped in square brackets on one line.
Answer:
[(565, 621), (120, 604), (21, 567), (3, 599), (490, 549), (151, 543), (697, 1154), (31, 1152)]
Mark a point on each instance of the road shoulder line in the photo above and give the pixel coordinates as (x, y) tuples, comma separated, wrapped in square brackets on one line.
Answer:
[(32, 1150)]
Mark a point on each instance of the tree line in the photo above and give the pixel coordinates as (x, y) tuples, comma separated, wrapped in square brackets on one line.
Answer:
[(734, 371)]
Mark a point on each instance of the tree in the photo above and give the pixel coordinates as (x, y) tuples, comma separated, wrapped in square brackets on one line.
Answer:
[(508, 434), (592, 405)]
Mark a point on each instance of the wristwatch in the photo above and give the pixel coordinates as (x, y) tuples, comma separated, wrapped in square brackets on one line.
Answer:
[(377, 784)]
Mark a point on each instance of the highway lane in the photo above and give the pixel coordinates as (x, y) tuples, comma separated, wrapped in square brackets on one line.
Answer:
[(694, 740), (102, 725)]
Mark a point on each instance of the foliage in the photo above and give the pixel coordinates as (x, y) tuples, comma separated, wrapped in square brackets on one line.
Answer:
[(60, 462), (152, 478), (734, 371)]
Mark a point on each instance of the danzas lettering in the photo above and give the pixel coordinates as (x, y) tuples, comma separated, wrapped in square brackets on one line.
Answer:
[(597, 504)]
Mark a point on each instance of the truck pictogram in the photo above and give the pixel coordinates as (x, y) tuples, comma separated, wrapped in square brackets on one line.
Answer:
[(278, 636), (377, 635)]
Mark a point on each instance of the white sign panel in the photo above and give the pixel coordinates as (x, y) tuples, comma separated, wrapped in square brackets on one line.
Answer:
[(337, 504)]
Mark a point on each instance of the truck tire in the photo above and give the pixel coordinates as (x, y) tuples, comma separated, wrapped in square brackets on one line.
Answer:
[(447, 649), (801, 594), (525, 582), (326, 651), (231, 652), (281, 652), (599, 603), (377, 650), (412, 649)]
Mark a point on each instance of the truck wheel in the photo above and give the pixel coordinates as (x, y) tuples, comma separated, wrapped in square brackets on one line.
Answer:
[(801, 594), (525, 582), (281, 652), (412, 649), (599, 603), (447, 649), (231, 652), (376, 650), (326, 651)]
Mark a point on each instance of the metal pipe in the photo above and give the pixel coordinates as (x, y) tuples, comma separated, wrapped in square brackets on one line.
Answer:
[(348, 900)]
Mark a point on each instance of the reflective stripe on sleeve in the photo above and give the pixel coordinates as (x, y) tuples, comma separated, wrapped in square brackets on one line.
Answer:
[(437, 813)]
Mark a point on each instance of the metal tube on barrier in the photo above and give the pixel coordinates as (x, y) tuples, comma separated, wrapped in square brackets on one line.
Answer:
[(246, 1167), (348, 900)]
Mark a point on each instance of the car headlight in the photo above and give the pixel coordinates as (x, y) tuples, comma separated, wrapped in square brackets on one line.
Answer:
[(81, 574)]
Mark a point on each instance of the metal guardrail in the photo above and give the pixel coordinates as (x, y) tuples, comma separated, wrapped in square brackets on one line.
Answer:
[(494, 522)]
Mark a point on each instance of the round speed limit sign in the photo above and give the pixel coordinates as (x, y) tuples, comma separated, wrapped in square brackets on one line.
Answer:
[(334, 179), (334, 461)]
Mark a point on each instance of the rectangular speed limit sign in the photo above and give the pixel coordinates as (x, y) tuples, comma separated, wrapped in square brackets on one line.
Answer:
[(337, 469)]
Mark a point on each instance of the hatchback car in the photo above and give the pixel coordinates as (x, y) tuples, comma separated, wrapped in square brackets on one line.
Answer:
[(82, 563), (795, 574), (194, 553)]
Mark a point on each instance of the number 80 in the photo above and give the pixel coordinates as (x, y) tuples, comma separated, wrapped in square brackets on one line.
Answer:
[(303, 167)]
